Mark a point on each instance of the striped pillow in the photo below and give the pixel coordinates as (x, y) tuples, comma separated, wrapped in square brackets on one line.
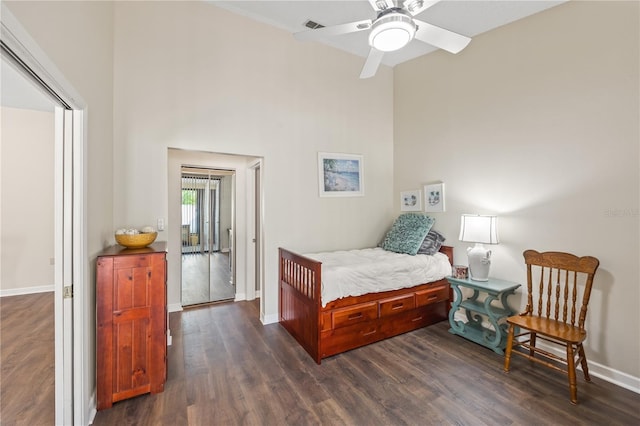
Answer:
[(432, 243)]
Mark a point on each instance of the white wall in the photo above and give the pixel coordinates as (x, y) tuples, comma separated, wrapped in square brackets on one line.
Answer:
[(26, 229), (78, 38), (538, 123), (191, 76)]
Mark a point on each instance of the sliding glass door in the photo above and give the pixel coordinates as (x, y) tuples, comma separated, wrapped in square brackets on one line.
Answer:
[(205, 269), (200, 214)]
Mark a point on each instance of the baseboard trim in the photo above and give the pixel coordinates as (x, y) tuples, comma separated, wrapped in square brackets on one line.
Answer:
[(92, 408), (26, 290), (174, 307), (600, 371), (269, 319)]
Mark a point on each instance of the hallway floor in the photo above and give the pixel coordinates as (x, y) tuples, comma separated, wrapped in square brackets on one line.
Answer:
[(27, 375)]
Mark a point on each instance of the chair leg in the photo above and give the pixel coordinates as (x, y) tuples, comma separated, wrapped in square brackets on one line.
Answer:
[(532, 343), (583, 362), (571, 371), (508, 347)]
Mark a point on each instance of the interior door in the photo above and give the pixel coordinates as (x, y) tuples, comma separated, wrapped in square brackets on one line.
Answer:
[(205, 270)]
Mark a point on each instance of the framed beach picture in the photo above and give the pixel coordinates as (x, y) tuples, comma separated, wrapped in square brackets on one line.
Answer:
[(410, 201), (340, 175), (434, 197)]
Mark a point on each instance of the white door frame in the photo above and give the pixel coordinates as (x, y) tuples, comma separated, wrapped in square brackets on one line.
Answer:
[(70, 233), (63, 269), (254, 214)]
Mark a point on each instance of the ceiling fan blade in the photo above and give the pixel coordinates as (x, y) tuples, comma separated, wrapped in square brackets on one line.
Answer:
[(441, 38), (379, 5), (333, 30), (372, 63), (416, 7)]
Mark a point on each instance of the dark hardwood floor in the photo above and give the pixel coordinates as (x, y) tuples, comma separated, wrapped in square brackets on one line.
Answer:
[(27, 370), (226, 368)]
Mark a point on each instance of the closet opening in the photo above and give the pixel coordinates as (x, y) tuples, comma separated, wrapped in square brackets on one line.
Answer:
[(206, 235)]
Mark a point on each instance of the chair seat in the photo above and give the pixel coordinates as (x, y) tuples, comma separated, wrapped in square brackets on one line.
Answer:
[(549, 327)]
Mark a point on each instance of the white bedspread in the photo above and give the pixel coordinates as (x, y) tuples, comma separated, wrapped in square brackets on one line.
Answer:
[(357, 272)]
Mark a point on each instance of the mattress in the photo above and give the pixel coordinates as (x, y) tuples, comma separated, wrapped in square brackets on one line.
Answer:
[(357, 272)]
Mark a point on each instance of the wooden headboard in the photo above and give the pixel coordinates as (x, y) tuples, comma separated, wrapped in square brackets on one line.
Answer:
[(448, 250)]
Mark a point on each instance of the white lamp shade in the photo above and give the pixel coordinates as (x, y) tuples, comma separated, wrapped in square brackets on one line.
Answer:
[(479, 229)]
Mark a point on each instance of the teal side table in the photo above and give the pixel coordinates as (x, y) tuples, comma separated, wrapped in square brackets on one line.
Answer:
[(496, 337)]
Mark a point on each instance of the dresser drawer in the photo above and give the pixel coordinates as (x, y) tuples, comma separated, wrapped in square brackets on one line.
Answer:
[(125, 262), (432, 295), (362, 312), (395, 305), (346, 338)]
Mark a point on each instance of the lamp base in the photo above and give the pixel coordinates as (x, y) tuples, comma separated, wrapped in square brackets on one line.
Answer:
[(479, 262)]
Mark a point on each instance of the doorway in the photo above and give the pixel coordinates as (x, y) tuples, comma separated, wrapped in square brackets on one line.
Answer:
[(206, 235), (65, 185), (27, 235), (239, 245)]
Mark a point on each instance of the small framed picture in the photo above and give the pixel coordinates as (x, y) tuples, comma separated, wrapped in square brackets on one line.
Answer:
[(434, 197), (410, 201), (340, 175)]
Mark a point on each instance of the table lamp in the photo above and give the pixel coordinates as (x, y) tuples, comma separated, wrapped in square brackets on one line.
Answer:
[(479, 230)]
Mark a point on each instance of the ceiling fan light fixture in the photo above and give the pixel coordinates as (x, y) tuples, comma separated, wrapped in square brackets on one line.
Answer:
[(392, 31)]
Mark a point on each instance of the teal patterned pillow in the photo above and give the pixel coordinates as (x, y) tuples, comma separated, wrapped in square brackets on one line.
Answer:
[(407, 233)]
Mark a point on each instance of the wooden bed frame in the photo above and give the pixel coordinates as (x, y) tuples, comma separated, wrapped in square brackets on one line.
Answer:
[(353, 321)]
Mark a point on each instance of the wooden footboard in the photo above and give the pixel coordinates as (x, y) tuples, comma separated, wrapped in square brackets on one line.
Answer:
[(299, 299), (354, 321)]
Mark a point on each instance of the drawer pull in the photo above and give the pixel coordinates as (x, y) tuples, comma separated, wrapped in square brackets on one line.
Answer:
[(397, 306), (355, 316), (435, 296), (369, 333), (416, 319)]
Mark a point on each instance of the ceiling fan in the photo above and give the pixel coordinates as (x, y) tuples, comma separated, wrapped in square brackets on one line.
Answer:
[(392, 29)]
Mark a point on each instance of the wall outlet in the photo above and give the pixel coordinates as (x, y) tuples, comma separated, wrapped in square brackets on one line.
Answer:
[(160, 224)]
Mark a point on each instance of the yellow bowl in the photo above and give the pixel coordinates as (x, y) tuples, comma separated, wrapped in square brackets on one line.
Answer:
[(136, 240)]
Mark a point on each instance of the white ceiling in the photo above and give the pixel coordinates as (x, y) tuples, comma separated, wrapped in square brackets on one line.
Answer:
[(467, 17)]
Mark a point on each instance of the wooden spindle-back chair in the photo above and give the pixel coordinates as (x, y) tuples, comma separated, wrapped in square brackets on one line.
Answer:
[(558, 291)]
